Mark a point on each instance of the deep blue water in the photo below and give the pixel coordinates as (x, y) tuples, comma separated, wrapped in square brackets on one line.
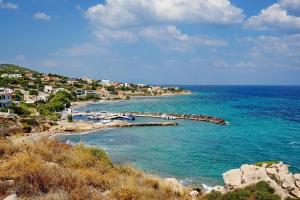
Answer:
[(264, 125)]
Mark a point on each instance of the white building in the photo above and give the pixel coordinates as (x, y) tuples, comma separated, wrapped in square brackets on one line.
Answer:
[(86, 92), (43, 96), (5, 97), (79, 92), (11, 75), (30, 99), (88, 80), (72, 82), (105, 82), (48, 89), (61, 90)]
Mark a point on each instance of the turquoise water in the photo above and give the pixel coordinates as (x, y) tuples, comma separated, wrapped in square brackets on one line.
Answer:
[(264, 125)]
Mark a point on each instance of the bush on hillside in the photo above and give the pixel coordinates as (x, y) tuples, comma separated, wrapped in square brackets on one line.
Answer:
[(259, 191)]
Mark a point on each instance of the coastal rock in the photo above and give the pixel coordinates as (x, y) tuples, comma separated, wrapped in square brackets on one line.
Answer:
[(232, 179), (175, 185), (276, 175), (252, 174), (194, 193), (11, 197), (297, 180)]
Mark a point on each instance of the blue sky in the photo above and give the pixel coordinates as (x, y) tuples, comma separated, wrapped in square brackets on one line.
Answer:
[(156, 41)]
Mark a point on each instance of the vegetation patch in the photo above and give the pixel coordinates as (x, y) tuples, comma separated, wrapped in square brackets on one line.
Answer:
[(52, 170), (259, 191), (268, 163)]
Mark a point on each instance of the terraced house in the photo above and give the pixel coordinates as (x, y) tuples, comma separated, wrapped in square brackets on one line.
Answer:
[(5, 97)]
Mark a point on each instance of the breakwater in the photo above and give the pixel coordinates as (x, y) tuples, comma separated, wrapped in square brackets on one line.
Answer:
[(194, 117), (146, 124)]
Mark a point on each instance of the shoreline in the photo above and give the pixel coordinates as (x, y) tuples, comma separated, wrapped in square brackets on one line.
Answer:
[(80, 104)]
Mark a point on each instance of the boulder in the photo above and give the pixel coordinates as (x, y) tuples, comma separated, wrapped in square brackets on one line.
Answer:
[(194, 193), (277, 176), (11, 197), (253, 174), (232, 179), (297, 180)]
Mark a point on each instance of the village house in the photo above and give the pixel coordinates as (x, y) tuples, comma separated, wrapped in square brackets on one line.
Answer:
[(48, 89), (11, 75), (79, 92), (28, 74), (105, 82), (49, 77), (30, 99), (43, 96), (72, 82), (87, 79), (5, 97), (93, 92), (61, 90)]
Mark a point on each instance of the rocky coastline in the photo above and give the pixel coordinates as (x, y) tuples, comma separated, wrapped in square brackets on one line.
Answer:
[(276, 174)]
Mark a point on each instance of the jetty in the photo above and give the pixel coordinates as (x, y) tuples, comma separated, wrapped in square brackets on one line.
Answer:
[(146, 124), (169, 116), (203, 118)]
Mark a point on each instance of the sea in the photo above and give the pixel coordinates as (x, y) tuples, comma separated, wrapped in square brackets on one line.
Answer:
[(264, 125)]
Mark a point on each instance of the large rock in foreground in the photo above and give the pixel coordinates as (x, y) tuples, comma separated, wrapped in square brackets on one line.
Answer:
[(276, 174)]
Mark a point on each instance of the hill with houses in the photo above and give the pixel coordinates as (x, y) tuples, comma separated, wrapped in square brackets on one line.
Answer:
[(43, 96)]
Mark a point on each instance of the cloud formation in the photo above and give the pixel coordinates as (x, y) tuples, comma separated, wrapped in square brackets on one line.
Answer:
[(291, 5), (118, 13), (157, 21), (171, 38), (8, 5), (41, 16), (277, 17)]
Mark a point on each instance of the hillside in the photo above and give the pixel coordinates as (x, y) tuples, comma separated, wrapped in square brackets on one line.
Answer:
[(13, 68)]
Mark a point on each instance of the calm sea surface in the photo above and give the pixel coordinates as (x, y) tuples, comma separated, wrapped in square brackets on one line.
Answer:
[(264, 125)]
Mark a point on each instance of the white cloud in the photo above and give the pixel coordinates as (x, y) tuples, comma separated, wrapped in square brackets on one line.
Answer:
[(275, 17), (41, 16), (118, 13), (107, 35), (287, 46), (293, 5), (8, 5), (171, 38), (275, 51), (156, 20)]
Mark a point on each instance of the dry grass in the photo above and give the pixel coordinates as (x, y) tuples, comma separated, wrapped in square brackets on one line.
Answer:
[(52, 170)]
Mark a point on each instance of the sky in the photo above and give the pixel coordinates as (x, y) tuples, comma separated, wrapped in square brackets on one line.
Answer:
[(230, 42)]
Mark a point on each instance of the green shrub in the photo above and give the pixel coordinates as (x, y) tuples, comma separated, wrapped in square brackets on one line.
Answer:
[(33, 92), (239, 194), (214, 196), (21, 110), (261, 186), (260, 195), (30, 121), (269, 163), (259, 191), (27, 128), (70, 118)]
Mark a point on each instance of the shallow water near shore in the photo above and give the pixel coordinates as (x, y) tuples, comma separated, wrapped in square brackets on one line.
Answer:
[(264, 125)]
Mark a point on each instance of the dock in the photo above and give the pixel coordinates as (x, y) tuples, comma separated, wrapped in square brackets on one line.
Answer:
[(170, 116)]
